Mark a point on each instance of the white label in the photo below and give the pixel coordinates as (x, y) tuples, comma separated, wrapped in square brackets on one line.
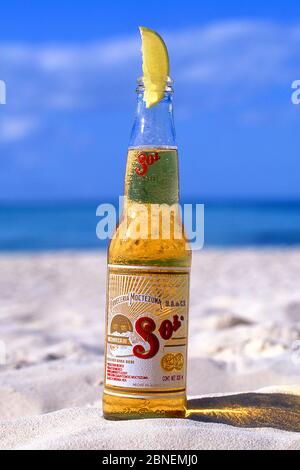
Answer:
[(147, 330)]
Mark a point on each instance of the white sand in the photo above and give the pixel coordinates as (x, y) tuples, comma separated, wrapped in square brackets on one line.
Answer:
[(84, 428), (244, 335)]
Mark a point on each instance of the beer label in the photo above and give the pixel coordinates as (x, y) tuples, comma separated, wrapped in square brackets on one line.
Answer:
[(152, 175), (147, 328)]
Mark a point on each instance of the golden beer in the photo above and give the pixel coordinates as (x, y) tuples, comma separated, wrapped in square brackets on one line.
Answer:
[(148, 277)]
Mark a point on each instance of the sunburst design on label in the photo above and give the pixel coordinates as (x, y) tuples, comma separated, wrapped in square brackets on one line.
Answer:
[(162, 287)]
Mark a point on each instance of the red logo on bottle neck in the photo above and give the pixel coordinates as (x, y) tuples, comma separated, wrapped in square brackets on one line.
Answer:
[(144, 161)]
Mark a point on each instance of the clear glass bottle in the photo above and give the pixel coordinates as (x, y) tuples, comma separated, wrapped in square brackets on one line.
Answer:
[(148, 277)]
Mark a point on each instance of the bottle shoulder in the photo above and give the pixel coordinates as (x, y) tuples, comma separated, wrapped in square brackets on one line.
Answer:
[(132, 250)]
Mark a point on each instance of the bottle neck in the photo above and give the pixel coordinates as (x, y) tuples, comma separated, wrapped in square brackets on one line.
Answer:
[(154, 126), (152, 163), (152, 176)]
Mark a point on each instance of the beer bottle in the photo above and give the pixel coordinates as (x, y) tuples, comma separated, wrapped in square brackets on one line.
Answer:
[(148, 276)]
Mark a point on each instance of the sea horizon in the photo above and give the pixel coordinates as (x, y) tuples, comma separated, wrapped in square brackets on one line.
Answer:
[(62, 225)]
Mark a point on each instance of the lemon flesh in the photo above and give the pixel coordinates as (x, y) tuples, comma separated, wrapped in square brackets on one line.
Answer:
[(156, 66)]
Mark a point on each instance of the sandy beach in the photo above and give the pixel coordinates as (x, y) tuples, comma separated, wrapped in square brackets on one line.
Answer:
[(244, 337)]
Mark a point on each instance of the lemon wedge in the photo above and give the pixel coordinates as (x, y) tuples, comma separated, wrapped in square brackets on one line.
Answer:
[(156, 66)]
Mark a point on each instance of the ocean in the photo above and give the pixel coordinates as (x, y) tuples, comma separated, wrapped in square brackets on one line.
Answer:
[(61, 226)]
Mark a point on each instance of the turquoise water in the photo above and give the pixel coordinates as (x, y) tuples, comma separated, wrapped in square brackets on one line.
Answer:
[(36, 227)]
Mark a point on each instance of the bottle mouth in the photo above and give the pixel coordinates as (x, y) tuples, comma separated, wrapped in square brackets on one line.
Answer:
[(168, 86)]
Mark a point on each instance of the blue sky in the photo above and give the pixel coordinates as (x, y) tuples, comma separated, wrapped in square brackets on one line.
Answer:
[(70, 70)]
